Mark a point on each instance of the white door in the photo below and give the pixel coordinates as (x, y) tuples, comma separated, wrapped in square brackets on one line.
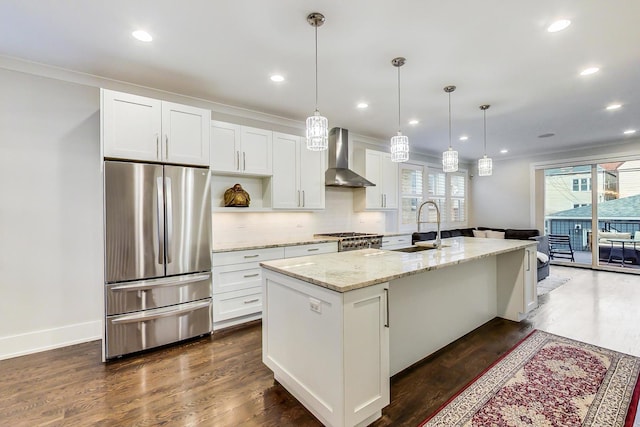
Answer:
[(131, 126), (285, 190), (185, 134), (225, 147)]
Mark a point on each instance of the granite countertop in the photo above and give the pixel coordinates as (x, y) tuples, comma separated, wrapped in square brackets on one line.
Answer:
[(257, 244), (346, 271)]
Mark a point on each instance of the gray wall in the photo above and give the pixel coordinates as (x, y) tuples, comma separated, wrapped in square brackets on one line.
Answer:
[(50, 213)]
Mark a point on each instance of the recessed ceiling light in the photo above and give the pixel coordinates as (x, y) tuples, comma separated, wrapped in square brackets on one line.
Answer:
[(629, 132), (142, 35), (559, 25), (591, 70), (414, 122), (464, 138), (362, 105), (504, 151), (613, 106), (277, 78)]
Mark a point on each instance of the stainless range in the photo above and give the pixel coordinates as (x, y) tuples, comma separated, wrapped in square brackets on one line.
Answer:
[(350, 241)]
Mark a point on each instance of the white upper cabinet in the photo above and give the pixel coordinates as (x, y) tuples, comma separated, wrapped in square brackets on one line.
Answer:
[(298, 174), (239, 149), (140, 128), (379, 169)]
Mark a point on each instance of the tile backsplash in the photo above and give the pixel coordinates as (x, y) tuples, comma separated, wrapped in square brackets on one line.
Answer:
[(338, 215)]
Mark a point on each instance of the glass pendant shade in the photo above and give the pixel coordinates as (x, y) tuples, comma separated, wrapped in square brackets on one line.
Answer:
[(450, 160), (317, 132), (485, 166), (399, 148)]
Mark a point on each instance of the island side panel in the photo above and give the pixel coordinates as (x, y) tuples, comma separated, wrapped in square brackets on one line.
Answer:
[(329, 349), (432, 309), (304, 347)]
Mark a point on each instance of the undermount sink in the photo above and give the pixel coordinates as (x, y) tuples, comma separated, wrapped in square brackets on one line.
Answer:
[(413, 249)]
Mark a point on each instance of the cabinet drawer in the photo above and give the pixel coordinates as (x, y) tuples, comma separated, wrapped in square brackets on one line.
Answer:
[(236, 277), (230, 305), (252, 255), (312, 249), (128, 333)]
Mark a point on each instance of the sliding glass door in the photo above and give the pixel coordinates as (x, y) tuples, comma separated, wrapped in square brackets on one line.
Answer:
[(618, 237), (568, 213), (609, 192)]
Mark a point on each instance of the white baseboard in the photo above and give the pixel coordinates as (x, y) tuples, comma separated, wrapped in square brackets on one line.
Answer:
[(48, 339)]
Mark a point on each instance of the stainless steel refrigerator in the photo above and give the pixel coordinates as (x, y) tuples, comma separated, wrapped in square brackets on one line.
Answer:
[(157, 255)]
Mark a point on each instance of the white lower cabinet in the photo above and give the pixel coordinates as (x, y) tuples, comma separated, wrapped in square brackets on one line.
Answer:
[(530, 279), (396, 242), (237, 280)]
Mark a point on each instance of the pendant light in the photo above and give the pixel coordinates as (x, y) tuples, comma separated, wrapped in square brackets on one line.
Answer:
[(317, 125), (400, 142), (485, 164), (450, 157)]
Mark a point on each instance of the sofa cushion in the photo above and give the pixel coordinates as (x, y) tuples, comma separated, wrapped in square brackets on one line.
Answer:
[(418, 237), (455, 233), (467, 232), (479, 233), (520, 233), (604, 236), (542, 258), (491, 228), (493, 234)]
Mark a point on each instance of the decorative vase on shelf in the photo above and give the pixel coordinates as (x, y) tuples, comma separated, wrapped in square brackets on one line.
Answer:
[(236, 197)]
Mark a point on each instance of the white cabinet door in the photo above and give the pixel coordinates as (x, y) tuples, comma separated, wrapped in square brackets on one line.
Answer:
[(389, 181), (240, 150), (530, 279), (380, 170), (255, 156), (298, 174), (140, 128), (312, 167), (373, 173), (131, 126), (284, 182), (225, 147), (185, 134)]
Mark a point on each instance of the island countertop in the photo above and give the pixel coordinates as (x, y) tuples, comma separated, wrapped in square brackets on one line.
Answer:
[(346, 271)]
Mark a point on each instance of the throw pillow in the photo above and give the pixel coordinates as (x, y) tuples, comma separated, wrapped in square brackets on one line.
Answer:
[(495, 234), (479, 233), (542, 257)]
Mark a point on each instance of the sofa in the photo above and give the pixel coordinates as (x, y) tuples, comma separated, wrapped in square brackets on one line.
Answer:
[(506, 233)]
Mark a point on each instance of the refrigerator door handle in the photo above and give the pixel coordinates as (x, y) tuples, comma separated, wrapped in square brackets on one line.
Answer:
[(162, 312), (169, 220), (159, 283), (160, 216)]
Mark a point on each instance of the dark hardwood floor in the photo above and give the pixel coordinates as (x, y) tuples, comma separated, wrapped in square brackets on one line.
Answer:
[(216, 381), (221, 381)]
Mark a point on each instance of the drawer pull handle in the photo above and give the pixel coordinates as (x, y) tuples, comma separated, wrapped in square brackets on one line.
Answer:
[(252, 256), (313, 249), (251, 275), (251, 301)]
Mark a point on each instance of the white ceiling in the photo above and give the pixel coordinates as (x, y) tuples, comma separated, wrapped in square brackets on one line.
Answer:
[(496, 52)]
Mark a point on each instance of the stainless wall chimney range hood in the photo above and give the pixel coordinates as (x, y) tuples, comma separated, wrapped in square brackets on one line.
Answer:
[(338, 174)]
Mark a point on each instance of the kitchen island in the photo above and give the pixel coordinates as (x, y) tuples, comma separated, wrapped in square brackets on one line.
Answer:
[(337, 326)]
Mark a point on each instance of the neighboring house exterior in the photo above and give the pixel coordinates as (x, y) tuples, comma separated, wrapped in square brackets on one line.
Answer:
[(622, 215)]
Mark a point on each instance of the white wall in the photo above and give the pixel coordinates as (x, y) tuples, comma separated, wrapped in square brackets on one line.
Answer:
[(50, 214), (504, 199)]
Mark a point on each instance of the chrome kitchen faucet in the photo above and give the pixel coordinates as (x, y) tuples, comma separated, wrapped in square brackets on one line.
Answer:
[(438, 242)]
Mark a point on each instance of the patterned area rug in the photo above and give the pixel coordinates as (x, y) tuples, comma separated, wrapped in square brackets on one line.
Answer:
[(548, 380)]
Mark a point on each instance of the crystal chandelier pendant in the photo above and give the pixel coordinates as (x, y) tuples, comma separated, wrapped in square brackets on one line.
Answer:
[(399, 148), (485, 166), (317, 132), (450, 160)]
